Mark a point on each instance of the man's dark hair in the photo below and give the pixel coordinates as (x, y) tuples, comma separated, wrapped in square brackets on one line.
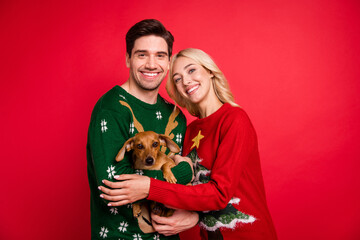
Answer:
[(148, 27)]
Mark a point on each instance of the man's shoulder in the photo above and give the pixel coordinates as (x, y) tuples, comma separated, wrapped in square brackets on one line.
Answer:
[(112, 98), (110, 101), (168, 105)]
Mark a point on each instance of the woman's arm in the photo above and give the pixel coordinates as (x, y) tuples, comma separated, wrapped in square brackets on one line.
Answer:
[(237, 145), (131, 187), (237, 149)]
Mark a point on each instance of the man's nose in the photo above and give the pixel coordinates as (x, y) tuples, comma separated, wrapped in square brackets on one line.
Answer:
[(151, 62)]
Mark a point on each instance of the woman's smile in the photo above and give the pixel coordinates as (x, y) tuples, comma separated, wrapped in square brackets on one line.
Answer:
[(192, 89)]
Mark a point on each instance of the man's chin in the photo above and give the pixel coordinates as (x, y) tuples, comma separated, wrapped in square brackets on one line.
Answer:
[(149, 87)]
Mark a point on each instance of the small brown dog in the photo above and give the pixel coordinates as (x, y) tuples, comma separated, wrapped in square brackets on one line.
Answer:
[(148, 156)]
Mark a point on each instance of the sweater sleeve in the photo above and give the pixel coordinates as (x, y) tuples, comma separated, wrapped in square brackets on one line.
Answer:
[(106, 136), (236, 145)]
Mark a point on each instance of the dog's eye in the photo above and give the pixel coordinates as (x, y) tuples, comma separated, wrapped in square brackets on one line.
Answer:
[(155, 144), (140, 146)]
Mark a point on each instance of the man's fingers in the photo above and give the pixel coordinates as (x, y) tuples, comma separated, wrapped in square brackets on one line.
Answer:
[(157, 219), (161, 220), (163, 229)]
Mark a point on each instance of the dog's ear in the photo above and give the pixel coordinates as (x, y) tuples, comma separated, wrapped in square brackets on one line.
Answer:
[(165, 140), (128, 145)]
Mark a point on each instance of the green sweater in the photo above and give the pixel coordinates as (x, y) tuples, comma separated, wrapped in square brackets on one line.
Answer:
[(116, 117)]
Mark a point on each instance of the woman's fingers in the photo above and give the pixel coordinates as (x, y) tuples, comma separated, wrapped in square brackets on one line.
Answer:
[(128, 189)]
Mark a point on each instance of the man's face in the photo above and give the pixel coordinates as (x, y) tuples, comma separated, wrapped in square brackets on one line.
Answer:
[(149, 62)]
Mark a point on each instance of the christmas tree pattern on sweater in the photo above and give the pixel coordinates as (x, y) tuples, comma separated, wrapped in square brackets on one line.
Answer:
[(228, 217)]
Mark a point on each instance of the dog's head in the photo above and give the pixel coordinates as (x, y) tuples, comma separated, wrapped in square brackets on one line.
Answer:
[(146, 146)]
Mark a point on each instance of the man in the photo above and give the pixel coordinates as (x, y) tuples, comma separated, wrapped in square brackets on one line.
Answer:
[(119, 114)]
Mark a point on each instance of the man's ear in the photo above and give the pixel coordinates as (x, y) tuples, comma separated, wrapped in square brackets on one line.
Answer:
[(127, 60)]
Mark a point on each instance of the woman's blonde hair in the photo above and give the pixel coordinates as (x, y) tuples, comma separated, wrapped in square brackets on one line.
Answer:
[(220, 84)]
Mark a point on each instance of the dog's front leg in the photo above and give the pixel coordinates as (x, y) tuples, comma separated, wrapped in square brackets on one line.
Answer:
[(168, 175)]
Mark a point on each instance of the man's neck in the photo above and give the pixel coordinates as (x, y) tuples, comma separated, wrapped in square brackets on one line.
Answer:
[(147, 96)]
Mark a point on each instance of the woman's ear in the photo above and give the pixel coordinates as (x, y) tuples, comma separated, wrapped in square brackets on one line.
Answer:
[(211, 74)]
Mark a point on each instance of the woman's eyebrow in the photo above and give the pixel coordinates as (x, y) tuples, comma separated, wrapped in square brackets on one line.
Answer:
[(190, 64)]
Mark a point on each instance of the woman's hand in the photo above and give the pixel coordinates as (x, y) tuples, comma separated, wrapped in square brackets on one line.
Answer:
[(180, 221), (129, 189)]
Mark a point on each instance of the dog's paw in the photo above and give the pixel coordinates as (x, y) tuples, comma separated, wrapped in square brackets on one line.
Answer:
[(170, 179), (136, 211), (157, 210), (137, 214)]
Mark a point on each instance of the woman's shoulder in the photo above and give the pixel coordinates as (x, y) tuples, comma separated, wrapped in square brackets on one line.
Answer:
[(235, 117), (234, 112)]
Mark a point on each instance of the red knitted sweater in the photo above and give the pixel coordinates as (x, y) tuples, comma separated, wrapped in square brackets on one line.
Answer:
[(228, 189)]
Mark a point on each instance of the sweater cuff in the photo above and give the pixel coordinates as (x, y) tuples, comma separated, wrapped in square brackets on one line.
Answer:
[(183, 173), (157, 190)]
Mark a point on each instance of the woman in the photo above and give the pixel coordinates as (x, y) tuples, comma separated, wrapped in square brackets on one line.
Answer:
[(228, 188)]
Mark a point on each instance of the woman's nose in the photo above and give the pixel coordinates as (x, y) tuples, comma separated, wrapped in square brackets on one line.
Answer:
[(186, 80)]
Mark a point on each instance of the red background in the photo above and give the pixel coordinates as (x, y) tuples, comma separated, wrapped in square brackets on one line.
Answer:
[(292, 65)]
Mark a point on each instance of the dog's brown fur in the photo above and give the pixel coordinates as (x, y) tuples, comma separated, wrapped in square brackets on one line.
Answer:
[(148, 156)]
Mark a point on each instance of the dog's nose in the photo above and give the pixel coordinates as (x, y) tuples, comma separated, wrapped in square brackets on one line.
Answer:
[(149, 161)]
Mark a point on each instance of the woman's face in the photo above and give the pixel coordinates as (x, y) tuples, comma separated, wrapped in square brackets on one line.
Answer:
[(192, 81)]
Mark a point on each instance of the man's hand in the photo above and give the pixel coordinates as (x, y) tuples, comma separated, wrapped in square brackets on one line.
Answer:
[(180, 221), (129, 189)]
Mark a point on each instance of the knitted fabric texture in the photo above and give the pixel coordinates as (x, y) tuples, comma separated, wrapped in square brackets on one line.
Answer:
[(116, 117), (228, 189)]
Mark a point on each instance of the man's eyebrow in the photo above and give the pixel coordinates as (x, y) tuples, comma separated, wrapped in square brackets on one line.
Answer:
[(140, 51), (162, 52), (190, 64), (145, 51)]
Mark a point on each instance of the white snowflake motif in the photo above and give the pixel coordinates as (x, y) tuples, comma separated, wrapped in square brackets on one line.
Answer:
[(123, 226), (104, 231), (178, 138), (104, 128), (158, 115), (139, 172), (114, 211), (111, 172), (132, 128), (137, 236), (156, 237)]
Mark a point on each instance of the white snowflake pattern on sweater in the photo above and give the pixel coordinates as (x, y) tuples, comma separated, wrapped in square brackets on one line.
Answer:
[(123, 226), (103, 232), (111, 172), (104, 127), (158, 115)]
